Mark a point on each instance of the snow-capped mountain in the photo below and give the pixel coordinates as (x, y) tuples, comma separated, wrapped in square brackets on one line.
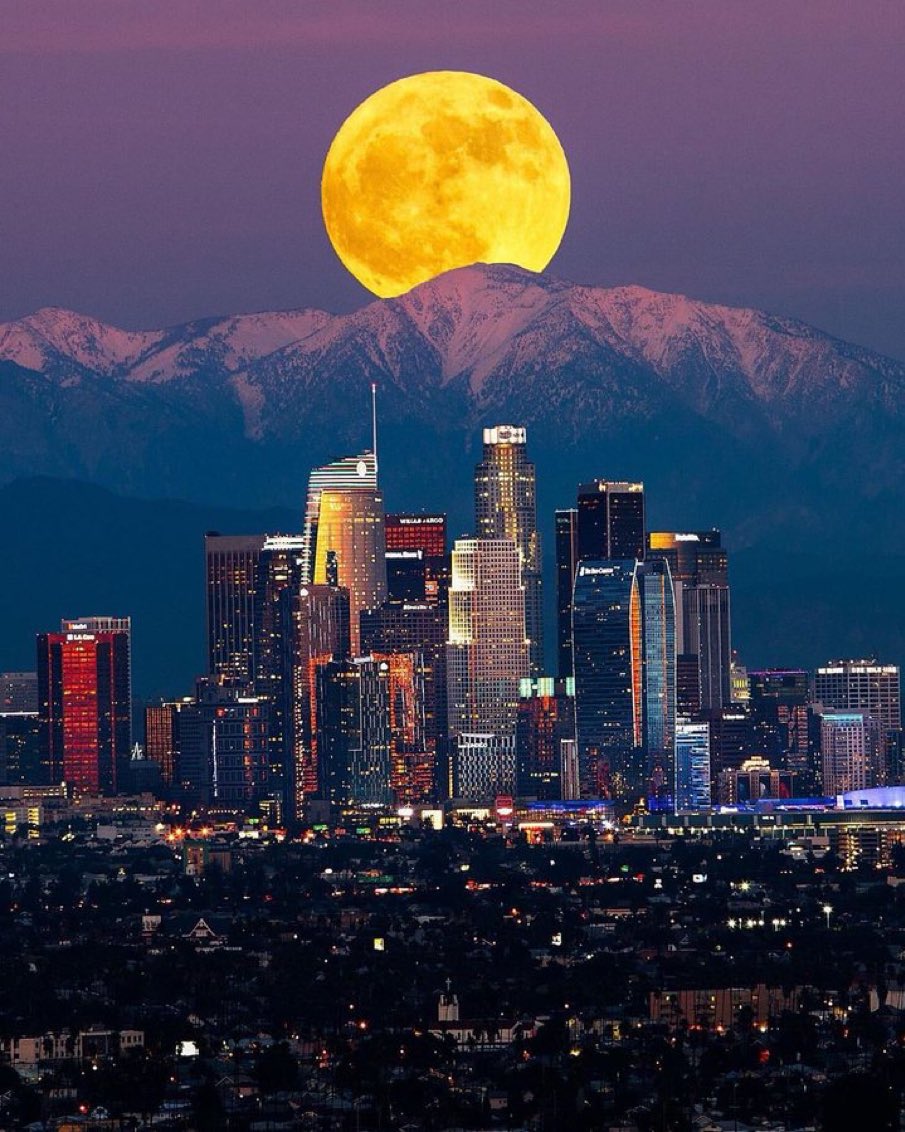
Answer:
[(736, 417)]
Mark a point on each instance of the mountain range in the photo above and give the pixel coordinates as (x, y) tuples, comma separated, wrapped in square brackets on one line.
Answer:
[(787, 438)]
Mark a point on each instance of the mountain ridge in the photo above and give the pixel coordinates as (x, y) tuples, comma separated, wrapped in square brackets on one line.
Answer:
[(126, 353), (753, 421)]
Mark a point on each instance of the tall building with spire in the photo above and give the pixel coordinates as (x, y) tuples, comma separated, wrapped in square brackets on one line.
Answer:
[(505, 489), (344, 539)]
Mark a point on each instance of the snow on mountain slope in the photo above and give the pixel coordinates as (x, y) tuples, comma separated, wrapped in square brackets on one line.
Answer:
[(230, 343), (471, 316), (486, 325), (52, 336), (753, 421)]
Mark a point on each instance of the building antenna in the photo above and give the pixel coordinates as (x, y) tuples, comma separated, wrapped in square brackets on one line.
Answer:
[(374, 423)]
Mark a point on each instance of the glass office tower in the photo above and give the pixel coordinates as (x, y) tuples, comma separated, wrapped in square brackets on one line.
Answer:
[(354, 753), (658, 680), (699, 567), (611, 522), (344, 531), (566, 528), (606, 617), (487, 656), (625, 680), (231, 570), (505, 488), (85, 704), (692, 790)]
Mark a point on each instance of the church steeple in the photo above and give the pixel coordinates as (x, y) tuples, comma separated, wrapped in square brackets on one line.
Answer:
[(448, 1007)]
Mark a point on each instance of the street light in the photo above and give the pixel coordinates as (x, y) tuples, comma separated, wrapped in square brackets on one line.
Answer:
[(827, 908)]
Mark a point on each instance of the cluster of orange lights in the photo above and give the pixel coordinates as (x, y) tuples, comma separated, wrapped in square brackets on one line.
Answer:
[(179, 833)]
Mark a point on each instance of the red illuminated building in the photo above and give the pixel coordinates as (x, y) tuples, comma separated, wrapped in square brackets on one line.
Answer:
[(416, 559), (84, 700), (417, 532)]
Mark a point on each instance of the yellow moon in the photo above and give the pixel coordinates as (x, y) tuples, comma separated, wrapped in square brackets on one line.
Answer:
[(441, 170)]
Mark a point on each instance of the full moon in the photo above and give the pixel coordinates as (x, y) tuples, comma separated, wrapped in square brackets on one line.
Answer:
[(441, 170)]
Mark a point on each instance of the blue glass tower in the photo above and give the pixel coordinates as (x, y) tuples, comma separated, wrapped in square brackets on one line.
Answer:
[(658, 680), (605, 606), (623, 628), (692, 767)]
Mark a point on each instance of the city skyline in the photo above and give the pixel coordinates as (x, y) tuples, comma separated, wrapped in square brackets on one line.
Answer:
[(660, 543), (438, 678), (548, 769)]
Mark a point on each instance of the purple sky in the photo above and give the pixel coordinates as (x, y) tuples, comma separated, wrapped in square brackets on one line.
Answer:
[(161, 161)]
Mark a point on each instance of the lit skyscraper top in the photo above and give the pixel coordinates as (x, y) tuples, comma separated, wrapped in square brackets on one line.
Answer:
[(344, 537), (350, 531), (505, 488), (352, 473), (699, 567)]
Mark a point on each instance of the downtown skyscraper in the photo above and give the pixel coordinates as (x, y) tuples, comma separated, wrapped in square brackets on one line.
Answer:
[(231, 575), (505, 495), (415, 632), (279, 577), (851, 748), (487, 656), (319, 634), (566, 539), (608, 522), (861, 685), (223, 747), (416, 557), (85, 703), (875, 691), (625, 705), (354, 733), (611, 520), (544, 737), (699, 569), (780, 706), (692, 789), (344, 540)]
